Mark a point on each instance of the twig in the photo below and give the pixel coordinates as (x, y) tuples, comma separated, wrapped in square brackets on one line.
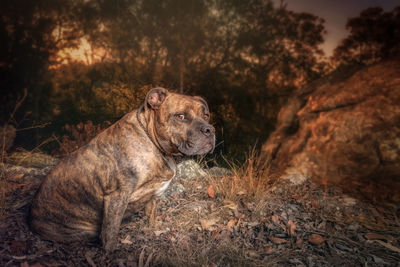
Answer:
[(17, 105), (34, 127)]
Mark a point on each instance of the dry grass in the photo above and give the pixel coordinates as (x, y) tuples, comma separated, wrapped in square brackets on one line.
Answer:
[(3, 146), (195, 229), (250, 180)]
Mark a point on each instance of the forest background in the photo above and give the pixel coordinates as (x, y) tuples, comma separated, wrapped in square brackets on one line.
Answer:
[(64, 63)]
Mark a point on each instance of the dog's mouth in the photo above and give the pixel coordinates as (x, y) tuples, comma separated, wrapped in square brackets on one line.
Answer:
[(201, 148)]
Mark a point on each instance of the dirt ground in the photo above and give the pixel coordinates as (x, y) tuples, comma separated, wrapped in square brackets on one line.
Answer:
[(208, 221)]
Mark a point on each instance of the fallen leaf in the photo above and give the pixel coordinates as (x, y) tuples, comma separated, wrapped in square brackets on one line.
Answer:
[(291, 227), (275, 219), (299, 242), (370, 236), (24, 264), (314, 204), (277, 240), (206, 224), (283, 227), (388, 246), (210, 191), (316, 239), (380, 222), (253, 224), (161, 217), (231, 224), (269, 250), (230, 205), (372, 228), (127, 240), (362, 218), (17, 177), (253, 254), (160, 232)]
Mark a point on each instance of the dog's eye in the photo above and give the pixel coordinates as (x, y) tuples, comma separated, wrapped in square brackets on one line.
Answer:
[(180, 117), (206, 117)]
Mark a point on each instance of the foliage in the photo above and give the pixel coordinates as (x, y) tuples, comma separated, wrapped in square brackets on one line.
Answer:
[(78, 136), (244, 58), (32, 32), (374, 36)]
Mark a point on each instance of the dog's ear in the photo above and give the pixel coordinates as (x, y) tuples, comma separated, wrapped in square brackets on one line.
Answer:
[(155, 97), (200, 99)]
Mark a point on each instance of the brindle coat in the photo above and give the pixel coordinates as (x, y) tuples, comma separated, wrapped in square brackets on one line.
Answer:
[(86, 196)]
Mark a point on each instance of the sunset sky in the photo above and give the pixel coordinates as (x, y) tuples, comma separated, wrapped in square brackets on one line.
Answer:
[(336, 13)]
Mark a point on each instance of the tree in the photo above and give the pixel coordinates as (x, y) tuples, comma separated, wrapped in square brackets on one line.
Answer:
[(32, 32), (374, 36), (273, 51), (245, 58)]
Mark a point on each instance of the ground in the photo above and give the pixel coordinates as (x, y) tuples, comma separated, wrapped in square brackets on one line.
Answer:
[(221, 219)]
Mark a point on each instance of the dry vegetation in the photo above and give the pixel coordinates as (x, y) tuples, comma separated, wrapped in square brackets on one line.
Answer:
[(240, 218), (77, 136)]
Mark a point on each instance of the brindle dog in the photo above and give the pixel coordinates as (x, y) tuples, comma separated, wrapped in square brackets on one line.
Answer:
[(123, 169)]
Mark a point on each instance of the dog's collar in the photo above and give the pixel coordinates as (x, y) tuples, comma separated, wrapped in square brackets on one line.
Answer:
[(147, 133)]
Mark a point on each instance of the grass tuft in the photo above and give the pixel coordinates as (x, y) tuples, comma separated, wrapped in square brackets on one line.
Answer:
[(250, 180)]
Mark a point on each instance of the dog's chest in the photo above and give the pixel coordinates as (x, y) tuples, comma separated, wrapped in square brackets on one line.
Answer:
[(164, 186), (156, 185)]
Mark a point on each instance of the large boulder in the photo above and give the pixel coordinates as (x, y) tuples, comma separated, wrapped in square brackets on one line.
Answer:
[(343, 130)]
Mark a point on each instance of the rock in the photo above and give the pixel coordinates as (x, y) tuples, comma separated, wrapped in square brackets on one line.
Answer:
[(31, 159), (173, 189), (7, 136), (28, 163), (343, 131), (9, 170), (189, 169)]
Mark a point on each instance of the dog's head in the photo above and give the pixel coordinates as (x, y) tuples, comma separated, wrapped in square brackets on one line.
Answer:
[(179, 123)]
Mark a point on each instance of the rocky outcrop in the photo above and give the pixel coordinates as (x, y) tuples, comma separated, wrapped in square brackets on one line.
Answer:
[(345, 131)]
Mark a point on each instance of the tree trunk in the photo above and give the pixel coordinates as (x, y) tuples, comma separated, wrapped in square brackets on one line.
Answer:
[(181, 72)]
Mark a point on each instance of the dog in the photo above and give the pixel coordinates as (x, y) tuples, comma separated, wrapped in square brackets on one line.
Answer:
[(122, 170)]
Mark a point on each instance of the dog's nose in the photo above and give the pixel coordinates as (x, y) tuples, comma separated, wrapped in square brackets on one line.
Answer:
[(207, 130)]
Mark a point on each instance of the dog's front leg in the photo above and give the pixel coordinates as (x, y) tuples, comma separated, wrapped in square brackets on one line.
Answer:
[(151, 211), (114, 208)]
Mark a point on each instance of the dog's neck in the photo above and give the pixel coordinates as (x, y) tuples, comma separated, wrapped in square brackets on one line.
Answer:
[(151, 133), (152, 139)]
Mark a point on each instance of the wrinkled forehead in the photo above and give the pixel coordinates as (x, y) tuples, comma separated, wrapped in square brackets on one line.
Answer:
[(183, 103)]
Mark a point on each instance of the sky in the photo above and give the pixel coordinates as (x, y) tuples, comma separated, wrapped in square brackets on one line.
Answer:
[(336, 13)]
